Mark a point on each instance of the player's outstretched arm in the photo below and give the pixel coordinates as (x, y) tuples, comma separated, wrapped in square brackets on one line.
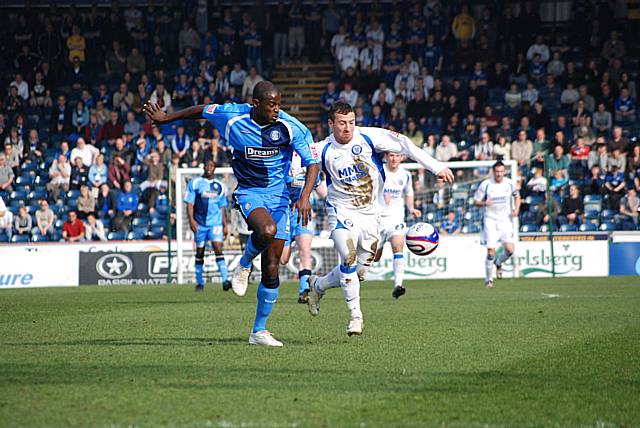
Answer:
[(388, 141), (303, 204), (157, 116)]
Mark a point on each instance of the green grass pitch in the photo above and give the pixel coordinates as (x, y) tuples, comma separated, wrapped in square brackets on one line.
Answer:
[(529, 353)]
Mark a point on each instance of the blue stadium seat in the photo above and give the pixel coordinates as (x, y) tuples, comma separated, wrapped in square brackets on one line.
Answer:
[(18, 195), (42, 178), (533, 200), (528, 228), (140, 221), (568, 228), (588, 227), (72, 204), (20, 239), (37, 237), (607, 215), (26, 179), (73, 194), (136, 235), (592, 202), (607, 226), (4, 238), (159, 221), (38, 193), (117, 236), (58, 224)]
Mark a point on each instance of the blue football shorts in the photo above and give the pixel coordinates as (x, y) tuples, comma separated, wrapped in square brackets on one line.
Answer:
[(208, 233), (276, 205), (297, 229)]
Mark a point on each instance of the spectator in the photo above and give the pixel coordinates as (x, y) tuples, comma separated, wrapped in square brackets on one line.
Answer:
[(73, 229), (555, 66), (463, 26), (12, 157), (614, 185), (601, 120), (188, 38), (22, 86), (22, 223), (79, 174), (155, 179), (113, 129), (136, 63), (594, 183), (94, 229), (59, 177), (126, 208), (6, 222), (123, 99), (119, 171), (521, 151), (572, 206), (446, 150), (348, 55), (44, 220), (613, 48), (599, 157), (180, 142), (483, 149), (107, 202), (625, 108), (502, 149), (280, 26), (195, 155), (161, 97), (537, 185), (86, 203), (132, 126), (76, 44), (61, 117), (450, 225), (349, 95), (250, 82), (558, 164), (513, 98), (629, 210), (84, 151), (618, 140), (328, 98), (539, 48), (414, 134)]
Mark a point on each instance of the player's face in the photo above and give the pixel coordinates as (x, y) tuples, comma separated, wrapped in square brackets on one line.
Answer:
[(209, 169), (267, 108), (393, 160), (498, 173), (342, 126)]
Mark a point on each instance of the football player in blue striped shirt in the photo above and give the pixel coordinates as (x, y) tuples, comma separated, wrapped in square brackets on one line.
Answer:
[(206, 200), (263, 139)]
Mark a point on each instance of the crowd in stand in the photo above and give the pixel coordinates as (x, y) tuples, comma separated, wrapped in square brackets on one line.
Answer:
[(80, 161)]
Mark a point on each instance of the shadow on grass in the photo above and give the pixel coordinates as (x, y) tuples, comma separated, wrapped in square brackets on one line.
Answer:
[(155, 341)]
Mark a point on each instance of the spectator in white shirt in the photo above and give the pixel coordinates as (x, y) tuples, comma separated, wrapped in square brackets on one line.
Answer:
[(349, 95), (250, 82), (6, 222), (84, 151), (370, 57), (237, 76), (348, 55), (389, 96), (539, 48), (22, 85)]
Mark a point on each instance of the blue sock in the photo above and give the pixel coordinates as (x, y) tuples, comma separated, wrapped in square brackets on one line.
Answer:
[(266, 299), (222, 267), (199, 271), (303, 276), (250, 253)]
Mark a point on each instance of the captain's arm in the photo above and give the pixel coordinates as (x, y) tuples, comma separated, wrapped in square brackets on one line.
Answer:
[(158, 116), (389, 141)]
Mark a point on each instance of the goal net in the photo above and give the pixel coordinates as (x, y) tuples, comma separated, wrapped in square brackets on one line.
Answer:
[(435, 201)]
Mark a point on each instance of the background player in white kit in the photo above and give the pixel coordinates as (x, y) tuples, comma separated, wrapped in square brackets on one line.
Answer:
[(495, 195), (398, 190), (354, 173)]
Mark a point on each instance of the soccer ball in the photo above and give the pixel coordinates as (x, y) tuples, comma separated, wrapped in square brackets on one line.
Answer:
[(422, 239)]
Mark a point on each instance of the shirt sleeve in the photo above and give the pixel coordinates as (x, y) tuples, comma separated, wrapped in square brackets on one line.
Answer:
[(481, 192), (301, 140), (220, 114), (389, 141), (190, 194)]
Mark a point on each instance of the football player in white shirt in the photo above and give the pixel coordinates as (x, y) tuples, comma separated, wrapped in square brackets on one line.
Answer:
[(495, 196), (354, 173), (398, 188)]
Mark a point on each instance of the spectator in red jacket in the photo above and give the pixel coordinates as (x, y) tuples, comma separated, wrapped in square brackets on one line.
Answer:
[(73, 229), (119, 171), (113, 129)]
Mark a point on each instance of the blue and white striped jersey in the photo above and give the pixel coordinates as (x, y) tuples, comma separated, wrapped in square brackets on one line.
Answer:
[(261, 154), (209, 197)]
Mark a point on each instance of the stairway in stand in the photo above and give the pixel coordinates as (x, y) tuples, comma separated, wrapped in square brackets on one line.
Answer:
[(302, 85)]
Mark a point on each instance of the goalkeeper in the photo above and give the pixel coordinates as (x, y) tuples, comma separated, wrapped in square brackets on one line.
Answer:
[(206, 200)]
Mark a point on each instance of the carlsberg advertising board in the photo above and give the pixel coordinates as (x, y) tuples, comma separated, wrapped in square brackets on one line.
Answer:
[(463, 257)]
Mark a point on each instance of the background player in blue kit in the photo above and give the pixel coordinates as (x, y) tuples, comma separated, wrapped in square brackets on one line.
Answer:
[(206, 200), (263, 139)]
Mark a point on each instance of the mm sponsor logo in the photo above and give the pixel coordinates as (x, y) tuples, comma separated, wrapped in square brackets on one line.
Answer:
[(11, 279), (353, 173), (261, 152), (114, 266), (539, 262)]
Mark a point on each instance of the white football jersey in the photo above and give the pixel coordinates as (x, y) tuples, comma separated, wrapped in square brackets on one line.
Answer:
[(355, 173), (397, 185), (500, 195)]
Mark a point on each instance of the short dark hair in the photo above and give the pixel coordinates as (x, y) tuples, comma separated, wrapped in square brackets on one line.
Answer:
[(497, 164), (263, 88), (339, 107)]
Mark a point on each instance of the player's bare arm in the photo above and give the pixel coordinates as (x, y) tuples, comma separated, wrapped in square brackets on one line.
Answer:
[(416, 213), (303, 204), (225, 229), (516, 208), (159, 117), (192, 221)]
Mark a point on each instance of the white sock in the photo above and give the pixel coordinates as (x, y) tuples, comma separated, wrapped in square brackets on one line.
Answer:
[(489, 268), (330, 280), (398, 269), (503, 258), (350, 287)]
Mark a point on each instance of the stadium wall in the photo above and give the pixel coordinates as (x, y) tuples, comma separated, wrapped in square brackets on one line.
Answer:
[(146, 262)]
